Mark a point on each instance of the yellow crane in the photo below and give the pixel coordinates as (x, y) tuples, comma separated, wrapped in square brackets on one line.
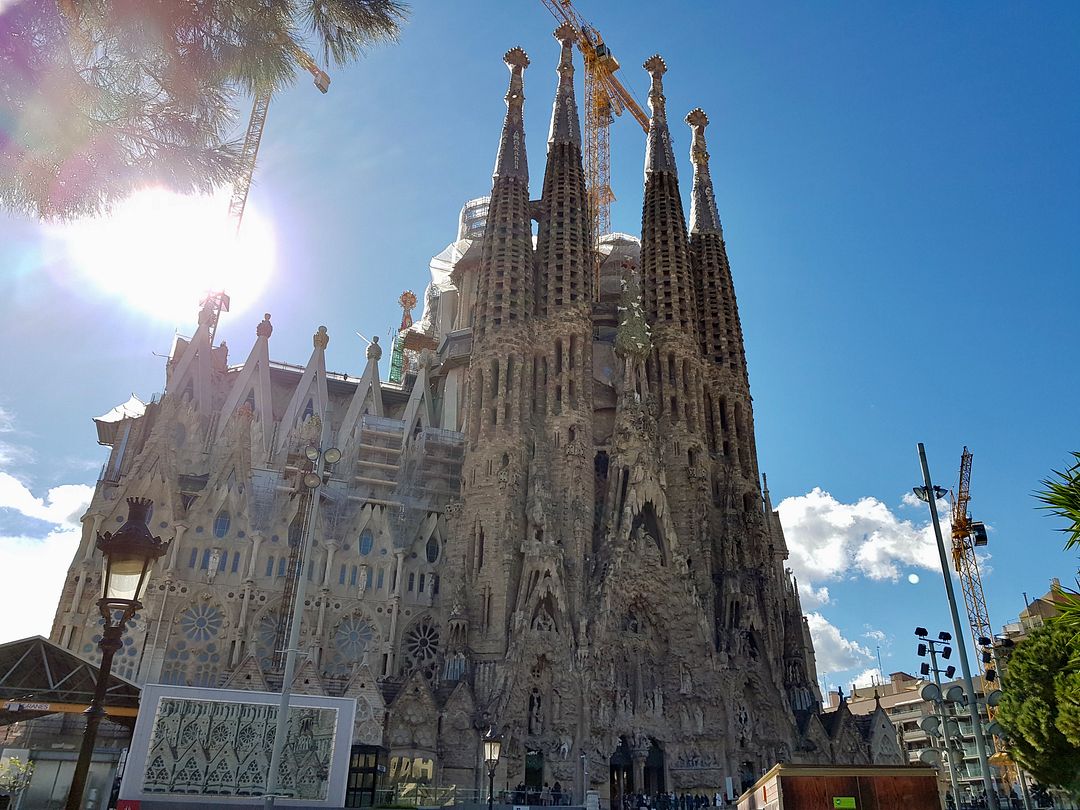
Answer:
[(967, 535), (605, 97), (250, 152)]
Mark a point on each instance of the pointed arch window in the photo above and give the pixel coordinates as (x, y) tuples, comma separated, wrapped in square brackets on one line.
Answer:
[(281, 567), (341, 576), (222, 523), (432, 549), (236, 562), (194, 558), (270, 566), (309, 410), (367, 542), (205, 564)]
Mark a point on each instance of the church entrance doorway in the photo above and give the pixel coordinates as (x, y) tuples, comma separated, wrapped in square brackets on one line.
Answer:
[(654, 770), (622, 778), (534, 776)]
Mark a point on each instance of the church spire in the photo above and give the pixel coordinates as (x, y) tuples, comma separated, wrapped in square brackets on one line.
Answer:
[(703, 213), (511, 161), (565, 126), (721, 332), (563, 242), (665, 250), (659, 156), (504, 295)]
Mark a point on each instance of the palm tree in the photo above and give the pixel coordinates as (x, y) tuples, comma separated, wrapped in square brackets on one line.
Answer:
[(1061, 496), (98, 97)]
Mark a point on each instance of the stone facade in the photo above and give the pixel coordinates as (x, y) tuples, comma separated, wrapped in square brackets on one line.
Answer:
[(553, 525)]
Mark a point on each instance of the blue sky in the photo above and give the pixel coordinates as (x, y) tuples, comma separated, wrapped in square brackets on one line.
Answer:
[(899, 189)]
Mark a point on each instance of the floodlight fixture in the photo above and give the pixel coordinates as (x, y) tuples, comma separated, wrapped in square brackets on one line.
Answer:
[(332, 455), (920, 632), (944, 635), (924, 670), (922, 650), (950, 671), (946, 653), (312, 480), (311, 453)]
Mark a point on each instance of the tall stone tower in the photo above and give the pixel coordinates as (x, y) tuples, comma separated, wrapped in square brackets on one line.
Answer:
[(551, 525)]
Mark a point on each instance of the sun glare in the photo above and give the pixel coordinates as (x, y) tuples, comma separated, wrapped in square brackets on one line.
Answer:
[(160, 252)]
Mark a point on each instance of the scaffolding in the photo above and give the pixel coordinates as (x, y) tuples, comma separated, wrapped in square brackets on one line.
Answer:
[(378, 459)]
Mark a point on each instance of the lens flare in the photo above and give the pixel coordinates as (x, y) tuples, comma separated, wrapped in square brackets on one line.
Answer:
[(160, 252)]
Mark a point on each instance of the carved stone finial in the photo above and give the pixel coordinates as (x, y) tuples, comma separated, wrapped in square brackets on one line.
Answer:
[(265, 328), (321, 339), (374, 350), (656, 66), (516, 58), (697, 118), (566, 33)]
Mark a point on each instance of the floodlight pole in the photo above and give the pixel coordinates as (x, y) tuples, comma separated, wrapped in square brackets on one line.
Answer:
[(944, 724), (294, 630), (958, 634)]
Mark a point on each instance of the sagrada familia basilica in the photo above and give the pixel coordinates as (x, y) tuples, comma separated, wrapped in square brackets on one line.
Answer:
[(550, 522)]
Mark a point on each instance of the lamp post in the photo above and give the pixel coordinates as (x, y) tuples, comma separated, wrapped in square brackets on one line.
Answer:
[(313, 479), (492, 749), (929, 493), (129, 555), (930, 645)]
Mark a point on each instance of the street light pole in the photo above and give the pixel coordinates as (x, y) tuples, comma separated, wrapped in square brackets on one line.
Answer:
[(958, 631), (110, 643), (129, 554), (944, 723), (312, 481)]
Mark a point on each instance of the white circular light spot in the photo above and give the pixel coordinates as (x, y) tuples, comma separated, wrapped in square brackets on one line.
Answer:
[(160, 252), (913, 579)]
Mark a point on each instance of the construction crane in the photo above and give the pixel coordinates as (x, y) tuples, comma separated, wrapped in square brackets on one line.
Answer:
[(605, 97), (967, 535), (250, 153), (216, 301)]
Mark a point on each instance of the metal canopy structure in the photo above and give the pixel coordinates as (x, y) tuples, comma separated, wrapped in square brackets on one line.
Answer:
[(38, 678)]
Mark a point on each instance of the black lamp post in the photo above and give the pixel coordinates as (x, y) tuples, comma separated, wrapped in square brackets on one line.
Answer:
[(492, 749), (129, 555)]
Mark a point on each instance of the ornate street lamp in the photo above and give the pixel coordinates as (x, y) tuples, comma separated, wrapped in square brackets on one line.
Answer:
[(492, 749), (129, 556)]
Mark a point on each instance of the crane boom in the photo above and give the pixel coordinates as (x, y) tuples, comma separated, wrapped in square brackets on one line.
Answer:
[(605, 98), (249, 154), (966, 535)]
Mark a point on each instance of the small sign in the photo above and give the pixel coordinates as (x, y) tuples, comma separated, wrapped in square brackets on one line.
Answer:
[(26, 707), (844, 802)]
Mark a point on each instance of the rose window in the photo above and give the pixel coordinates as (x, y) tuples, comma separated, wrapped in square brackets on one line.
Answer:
[(352, 639), (201, 622), (422, 647)]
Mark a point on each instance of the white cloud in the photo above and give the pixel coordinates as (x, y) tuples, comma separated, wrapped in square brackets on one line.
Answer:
[(813, 597), (868, 677), (912, 501), (34, 567), (29, 602), (877, 636), (62, 505), (835, 653), (830, 540)]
